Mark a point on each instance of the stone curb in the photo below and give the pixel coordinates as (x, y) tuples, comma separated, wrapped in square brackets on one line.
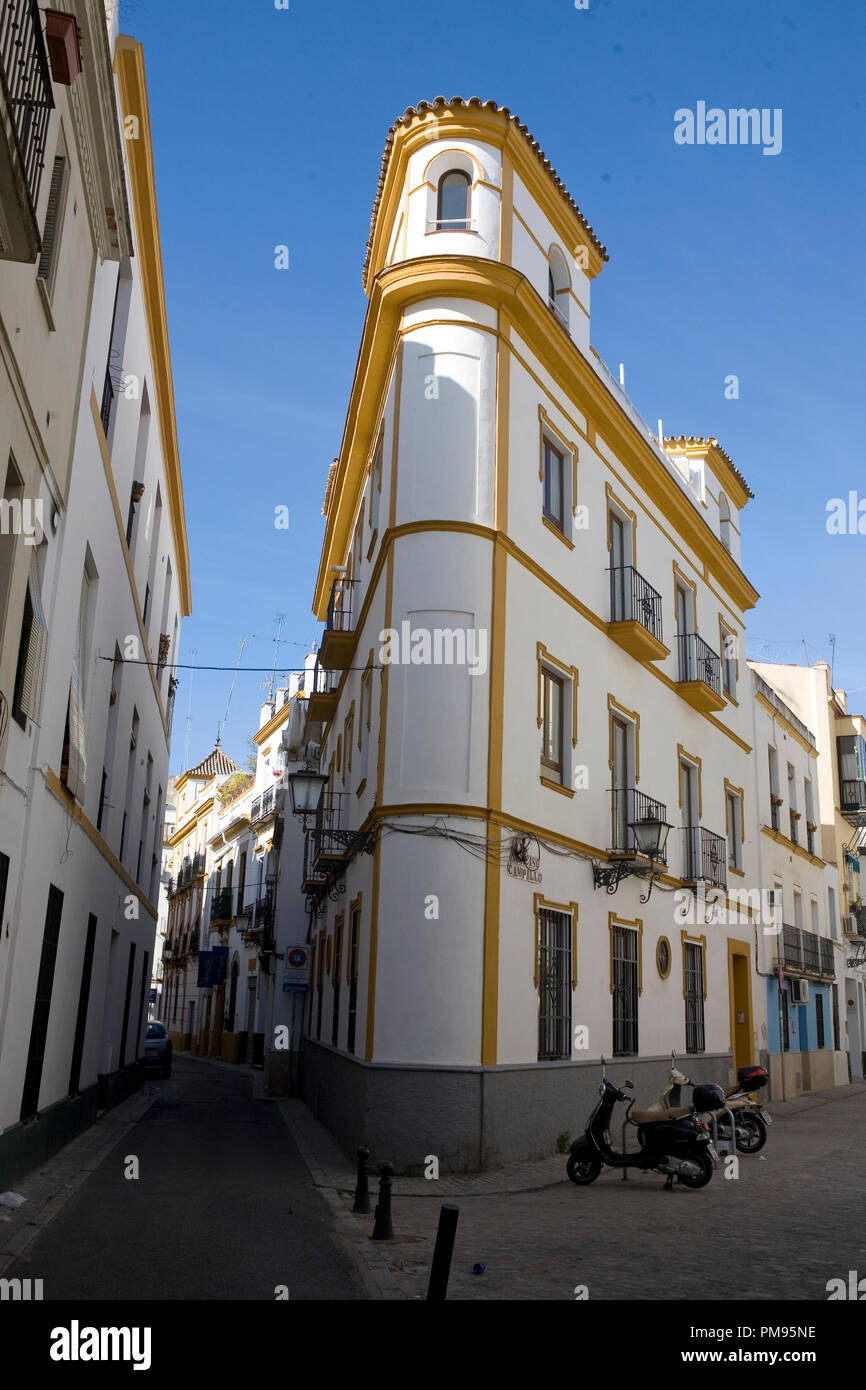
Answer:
[(370, 1263)]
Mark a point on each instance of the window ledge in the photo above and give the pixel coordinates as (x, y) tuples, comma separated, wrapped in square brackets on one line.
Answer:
[(740, 873), (556, 786), (560, 535)]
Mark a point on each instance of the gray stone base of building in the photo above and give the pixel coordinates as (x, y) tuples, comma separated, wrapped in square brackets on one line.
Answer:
[(473, 1118), (31, 1142)]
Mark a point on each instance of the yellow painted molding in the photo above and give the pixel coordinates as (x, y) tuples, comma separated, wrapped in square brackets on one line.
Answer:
[(800, 850), (132, 90), (72, 809), (786, 724)]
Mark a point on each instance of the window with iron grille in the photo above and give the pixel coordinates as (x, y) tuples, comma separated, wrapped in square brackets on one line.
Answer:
[(625, 991), (819, 1019), (694, 968), (554, 984)]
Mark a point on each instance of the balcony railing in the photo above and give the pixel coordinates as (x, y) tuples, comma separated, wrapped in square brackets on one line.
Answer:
[(268, 804), (340, 605), (27, 79), (704, 856), (627, 806), (806, 953), (632, 598), (698, 661), (221, 908), (330, 845), (311, 876), (852, 797)]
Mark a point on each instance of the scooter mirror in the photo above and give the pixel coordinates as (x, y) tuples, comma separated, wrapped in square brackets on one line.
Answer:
[(628, 1085)]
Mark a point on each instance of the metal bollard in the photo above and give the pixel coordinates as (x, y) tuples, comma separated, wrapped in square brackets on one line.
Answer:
[(440, 1269), (362, 1190), (383, 1230)]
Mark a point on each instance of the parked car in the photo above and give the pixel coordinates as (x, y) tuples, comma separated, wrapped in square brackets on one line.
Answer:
[(157, 1049)]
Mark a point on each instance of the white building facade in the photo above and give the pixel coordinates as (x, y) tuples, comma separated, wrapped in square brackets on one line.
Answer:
[(534, 612), (91, 610)]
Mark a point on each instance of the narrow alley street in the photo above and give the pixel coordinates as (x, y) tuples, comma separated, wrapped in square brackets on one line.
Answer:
[(223, 1207)]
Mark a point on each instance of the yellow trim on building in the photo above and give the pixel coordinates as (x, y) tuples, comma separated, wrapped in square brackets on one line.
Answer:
[(132, 90)]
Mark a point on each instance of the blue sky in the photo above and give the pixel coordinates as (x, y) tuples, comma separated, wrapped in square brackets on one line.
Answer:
[(268, 129)]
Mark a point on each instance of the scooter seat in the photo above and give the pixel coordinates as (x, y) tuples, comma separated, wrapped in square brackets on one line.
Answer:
[(658, 1115)]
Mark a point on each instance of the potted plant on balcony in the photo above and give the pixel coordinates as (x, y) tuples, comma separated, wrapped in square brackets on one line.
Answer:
[(137, 491), (64, 49)]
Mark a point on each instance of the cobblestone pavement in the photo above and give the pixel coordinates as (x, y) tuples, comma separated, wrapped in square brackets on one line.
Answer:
[(794, 1218)]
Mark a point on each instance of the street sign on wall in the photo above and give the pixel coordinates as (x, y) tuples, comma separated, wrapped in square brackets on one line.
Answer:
[(297, 970)]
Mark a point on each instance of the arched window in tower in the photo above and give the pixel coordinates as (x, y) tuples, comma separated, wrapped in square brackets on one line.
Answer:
[(452, 204), (558, 284)]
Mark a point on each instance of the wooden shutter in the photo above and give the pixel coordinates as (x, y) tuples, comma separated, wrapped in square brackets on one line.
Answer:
[(30, 697), (51, 231)]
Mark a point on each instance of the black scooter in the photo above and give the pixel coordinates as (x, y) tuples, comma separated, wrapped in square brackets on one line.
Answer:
[(678, 1145)]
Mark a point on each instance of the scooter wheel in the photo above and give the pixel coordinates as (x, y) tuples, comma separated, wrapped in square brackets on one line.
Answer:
[(583, 1168), (751, 1133), (698, 1179)]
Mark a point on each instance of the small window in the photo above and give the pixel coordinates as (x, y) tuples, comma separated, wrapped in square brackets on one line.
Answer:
[(729, 662), (554, 485), (452, 205), (626, 988), (552, 689), (555, 980), (819, 1019), (693, 965), (735, 839)]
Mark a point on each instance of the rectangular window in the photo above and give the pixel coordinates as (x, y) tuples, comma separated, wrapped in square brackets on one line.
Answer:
[(376, 482), (622, 745), (815, 925), (554, 984), (625, 991), (775, 799), (809, 806), (831, 911), (13, 492), (735, 838), (819, 1019), (127, 999), (42, 1004), (783, 1005), (793, 815), (694, 983), (729, 662), (30, 672), (336, 979), (552, 718), (83, 999), (690, 804), (352, 965), (554, 485)]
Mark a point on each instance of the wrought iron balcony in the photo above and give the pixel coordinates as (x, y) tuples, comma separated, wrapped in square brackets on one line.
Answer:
[(635, 614), (108, 394), (270, 803), (628, 807), (334, 843), (338, 639), (312, 879), (852, 801), (322, 701), (804, 953), (26, 103), (699, 673), (221, 908), (705, 856)]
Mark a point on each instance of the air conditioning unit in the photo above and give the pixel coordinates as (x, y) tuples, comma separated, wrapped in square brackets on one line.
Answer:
[(849, 926), (799, 991)]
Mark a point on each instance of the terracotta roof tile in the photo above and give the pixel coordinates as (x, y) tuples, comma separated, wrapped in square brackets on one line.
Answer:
[(216, 764), (438, 104), (710, 442)]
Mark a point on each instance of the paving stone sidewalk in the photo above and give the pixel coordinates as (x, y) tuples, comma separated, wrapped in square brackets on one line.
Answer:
[(519, 1222)]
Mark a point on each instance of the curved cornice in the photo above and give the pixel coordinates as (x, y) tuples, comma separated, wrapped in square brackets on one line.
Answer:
[(496, 126), (501, 287)]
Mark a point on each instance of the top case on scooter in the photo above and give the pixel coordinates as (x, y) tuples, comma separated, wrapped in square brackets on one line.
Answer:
[(752, 1078)]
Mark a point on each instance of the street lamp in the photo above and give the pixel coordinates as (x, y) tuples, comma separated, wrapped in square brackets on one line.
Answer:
[(306, 787), (650, 835)]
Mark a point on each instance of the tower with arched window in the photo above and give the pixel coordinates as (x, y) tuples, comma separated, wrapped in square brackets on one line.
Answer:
[(523, 592)]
